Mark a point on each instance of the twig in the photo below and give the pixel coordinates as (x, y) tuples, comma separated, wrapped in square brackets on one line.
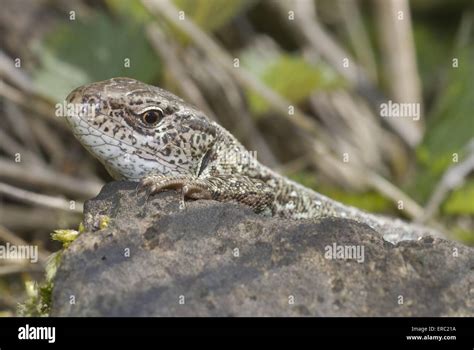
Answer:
[(22, 218), (398, 50), (352, 124), (20, 126), (354, 26), (11, 147), (385, 187), (228, 102), (220, 56), (452, 178), (39, 199), (166, 51), (321, 43), (8, 236), (32, 103), (42, 177), (50, 140), (11, 269), (15, 75), (314, 35)]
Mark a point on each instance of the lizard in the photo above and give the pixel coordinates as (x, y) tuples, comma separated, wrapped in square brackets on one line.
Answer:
[(146, 134)]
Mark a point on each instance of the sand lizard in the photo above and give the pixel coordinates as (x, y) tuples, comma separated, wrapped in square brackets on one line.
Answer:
[(143, 133)]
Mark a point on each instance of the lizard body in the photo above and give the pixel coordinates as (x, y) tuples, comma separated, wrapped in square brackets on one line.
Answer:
[(144, 133)]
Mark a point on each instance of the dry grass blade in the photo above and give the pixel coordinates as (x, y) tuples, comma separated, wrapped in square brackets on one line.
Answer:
[(44, 178), (40, 199), (398, 49), (221, 57), (8, 236)]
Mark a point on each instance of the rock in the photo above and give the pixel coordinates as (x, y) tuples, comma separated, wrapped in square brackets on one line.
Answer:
[(221, 259)]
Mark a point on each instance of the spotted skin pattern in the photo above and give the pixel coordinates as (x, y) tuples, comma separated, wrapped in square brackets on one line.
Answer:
[(144, 133)]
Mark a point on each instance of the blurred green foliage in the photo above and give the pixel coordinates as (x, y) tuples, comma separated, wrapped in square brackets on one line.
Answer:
[(134, 10), (461, 201), (92, 49), (450, 122), (463, 235), (209, 15), (212, 14), (450, 126), (83, 51), (433, 46), (370, 200), (452, 115), (290, 76)]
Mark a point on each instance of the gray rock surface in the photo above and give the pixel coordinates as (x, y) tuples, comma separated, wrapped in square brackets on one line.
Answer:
[(223, 260)]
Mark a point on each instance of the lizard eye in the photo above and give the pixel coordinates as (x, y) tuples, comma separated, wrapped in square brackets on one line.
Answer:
[(152, 117)]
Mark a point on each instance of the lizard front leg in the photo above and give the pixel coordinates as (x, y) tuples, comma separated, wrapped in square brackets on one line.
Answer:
[(224, 188)]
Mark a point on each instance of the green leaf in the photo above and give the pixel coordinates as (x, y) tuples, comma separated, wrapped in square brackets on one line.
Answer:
[(433, 50), (212, 14), (461, 201), (464, 236), (452, 124), (132, 9), (81, 52), (209, 15), (290, 76), (370, 200)]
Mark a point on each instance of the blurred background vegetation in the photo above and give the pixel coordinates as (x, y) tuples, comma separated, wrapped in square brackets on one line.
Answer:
[(299, 81)]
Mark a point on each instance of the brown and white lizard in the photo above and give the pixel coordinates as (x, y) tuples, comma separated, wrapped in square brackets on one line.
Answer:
[(143, 133)]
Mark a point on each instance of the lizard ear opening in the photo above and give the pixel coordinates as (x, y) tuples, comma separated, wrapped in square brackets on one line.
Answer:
[(204, 161)]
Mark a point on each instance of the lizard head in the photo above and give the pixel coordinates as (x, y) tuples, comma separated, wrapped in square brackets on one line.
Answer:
[(136, 129)]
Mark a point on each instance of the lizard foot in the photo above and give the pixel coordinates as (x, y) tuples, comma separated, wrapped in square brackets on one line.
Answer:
[(191, 187)]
